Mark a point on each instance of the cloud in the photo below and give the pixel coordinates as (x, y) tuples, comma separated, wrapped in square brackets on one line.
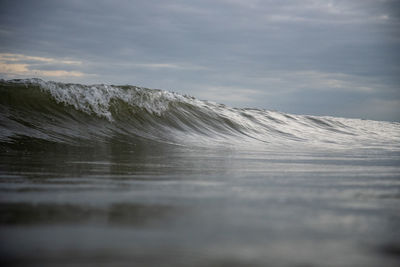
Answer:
[(229, 94), (8, 57), (16, 65), (325, 81), (284, 55), (176, 66), (376, 109)]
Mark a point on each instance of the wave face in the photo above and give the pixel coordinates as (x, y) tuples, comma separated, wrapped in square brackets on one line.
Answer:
[(72, 113)]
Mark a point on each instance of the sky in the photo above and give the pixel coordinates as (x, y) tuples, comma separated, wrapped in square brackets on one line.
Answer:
[(318, 57)]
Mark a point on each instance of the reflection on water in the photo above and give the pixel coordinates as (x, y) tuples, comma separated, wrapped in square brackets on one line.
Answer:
[(118, 214), (144, 203)]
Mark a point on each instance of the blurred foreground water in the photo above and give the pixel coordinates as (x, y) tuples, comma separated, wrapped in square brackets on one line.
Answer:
[(149, 204)]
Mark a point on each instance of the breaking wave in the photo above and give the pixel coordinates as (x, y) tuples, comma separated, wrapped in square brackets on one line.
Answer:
[(72, 113)]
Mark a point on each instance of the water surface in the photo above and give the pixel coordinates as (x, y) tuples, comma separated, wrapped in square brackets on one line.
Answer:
[(150, 182)]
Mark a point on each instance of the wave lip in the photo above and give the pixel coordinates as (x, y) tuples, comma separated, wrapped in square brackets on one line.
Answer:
[(63, 112)]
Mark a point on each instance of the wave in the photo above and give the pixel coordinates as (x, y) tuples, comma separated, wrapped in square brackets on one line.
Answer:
[(71, 113)]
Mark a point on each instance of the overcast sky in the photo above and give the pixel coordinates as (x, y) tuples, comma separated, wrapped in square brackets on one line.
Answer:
[(320, 57)]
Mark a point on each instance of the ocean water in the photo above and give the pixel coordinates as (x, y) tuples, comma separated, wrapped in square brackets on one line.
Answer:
[(105, 175)]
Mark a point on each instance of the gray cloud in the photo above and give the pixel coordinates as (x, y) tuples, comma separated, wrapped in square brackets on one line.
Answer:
[(318, 57)]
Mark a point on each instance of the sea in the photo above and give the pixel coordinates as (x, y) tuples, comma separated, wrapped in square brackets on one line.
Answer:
[(106, 175)]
